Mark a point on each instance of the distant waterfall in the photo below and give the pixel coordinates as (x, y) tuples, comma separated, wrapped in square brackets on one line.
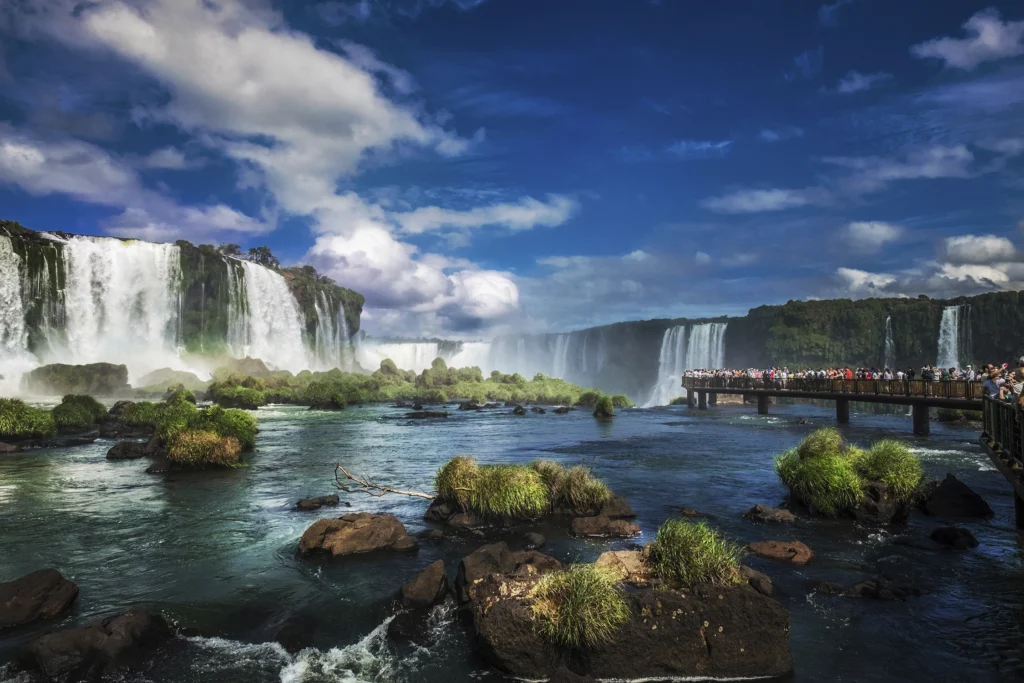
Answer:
[(671, 364), (706, 347), (273, 322), (560, 364), (954, 337), (14, 354), (473, 354), (416, 356), (889, 357), (331, 347)]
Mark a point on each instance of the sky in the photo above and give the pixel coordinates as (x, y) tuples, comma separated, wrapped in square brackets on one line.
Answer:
[(479, 167)]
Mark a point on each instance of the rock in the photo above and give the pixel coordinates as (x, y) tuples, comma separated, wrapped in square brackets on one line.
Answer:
[(564, 675), (95, 379), (43, 594), (519, 410), (431, 535), (793, 552), (470, 405), (464, 520), (758, 581), (913, 541), (628, 565), (952, 498), (317, 503), (359, 532), (491, 406), (402, 404), (534, 541), (538, 410), (955, 537), (484, 561), (102, 646), (691, 513), (160, 465), (118, 408), (616, 507), (879, 507), (426, 414), (561, 410), (532, 563), (763, 513), (10, 448), (155, 447), (296, 633), (126, 450), (603, 526), (417, 406), (439, 511), (427, 589)]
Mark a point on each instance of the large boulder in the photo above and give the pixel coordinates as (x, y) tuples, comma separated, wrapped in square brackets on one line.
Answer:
[(764, 513), (602, 526), (758, 581), (127, 450), (627, 565), (955, 537), (95, 379), (439, 511), (495, 558), (427, 589), (426, 414), (953, 498), (793, 552), (43, 594), (879, 507), (360, 532), (102, 646)]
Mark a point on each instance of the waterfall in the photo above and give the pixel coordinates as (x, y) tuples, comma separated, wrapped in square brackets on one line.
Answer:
[(273, 322), (954, 336), (671, 364), (331, 342), (889, 357), (560, 359), (15, 358), (474, 354), (415, 356), (706, 347)]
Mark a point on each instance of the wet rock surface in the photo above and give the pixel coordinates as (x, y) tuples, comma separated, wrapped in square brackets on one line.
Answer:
[(953, 498), (360, 532), (43, 594), (793, 552), (766, 514), (318, 502)]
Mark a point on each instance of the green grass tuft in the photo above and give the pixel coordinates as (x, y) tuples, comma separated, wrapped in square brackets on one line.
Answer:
[(582, 606), (828, 484), (824, 441), (508, 491), (622, 401), (77, 413), (686, 553), (227, 422), (575, 487), (604, 408), (19, 421), (455, 481), (892, 463), (200, 448)]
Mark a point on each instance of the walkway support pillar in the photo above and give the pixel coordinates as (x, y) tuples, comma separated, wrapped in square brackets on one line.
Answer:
[(702, 400), (691, 398), (762, 404), (713, 398), (921, 424), (1018, 508), (843, 410)]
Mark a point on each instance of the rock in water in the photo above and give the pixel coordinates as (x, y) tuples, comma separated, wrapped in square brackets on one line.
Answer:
[(879, 506), (953, 498), (561, 410), (361, 532), (489, 559), (538, 410), (427, 589), (519, 410), (763, 513), (43, 594), (955, 537), (317, 503), (85, 653), (426, 414), (564, 675), (534, 540), (627, 565), (758, 581), (793, 552), (10, 448), (127, 450), (603, 526)]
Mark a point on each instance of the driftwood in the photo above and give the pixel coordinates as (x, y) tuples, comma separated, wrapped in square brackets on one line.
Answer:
[(368, 487)]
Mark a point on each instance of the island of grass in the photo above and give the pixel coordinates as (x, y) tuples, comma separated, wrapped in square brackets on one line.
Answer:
[(830, 478), (473, 495)]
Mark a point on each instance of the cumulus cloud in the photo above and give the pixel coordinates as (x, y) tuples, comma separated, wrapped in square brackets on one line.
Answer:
[(978, 249), (863, 282), (757, 201), (989, 38), (870, 236), (170, 159), (855, 81), (526, 214)]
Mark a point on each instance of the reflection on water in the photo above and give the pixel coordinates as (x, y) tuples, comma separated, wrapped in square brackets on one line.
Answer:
[(216, 551)]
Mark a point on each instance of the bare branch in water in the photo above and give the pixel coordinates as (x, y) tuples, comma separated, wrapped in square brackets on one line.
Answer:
[(368, 487)]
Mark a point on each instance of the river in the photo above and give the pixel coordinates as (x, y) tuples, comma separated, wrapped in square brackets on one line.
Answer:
[(215, 551)]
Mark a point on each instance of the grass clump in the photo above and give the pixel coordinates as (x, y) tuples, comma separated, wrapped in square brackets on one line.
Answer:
[(579, 607), (824, 441), (227, 422), (575, 487), (605, 408), (200, 448), (892, 463), (622, 401), (828, 484), (508, 491), (679, 401), (686, 553), (19, 421), (77, 413), (229, 396), (456, 480)]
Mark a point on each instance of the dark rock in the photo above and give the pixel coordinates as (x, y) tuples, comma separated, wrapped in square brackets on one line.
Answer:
[(296, 633), (482, 562), (538, 410), (43, 594), (519, 410), (871, 589), (317, 503), (691, 513), (534, 541), (491, 406), (439, 511), (81, 440), (564, 675), (955, 537), (431, 535), (470, 405), (793, 552), (952, 498), (406, 545), (118, 408), (417, 406), (758, 581), (155, 447), (126, 450), (412, 626), (359, 532), (879, 506), (561, 410), (160, 465), (913, 541), (616, 507), (464, 520), (426, 414), (427, 589), (95, 379), (402, 404), (763, 513), (10, 448), (532, 563), (603, 526), (102, 646)]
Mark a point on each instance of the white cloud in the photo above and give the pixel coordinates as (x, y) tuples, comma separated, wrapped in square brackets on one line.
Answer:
[(1008, 147), (855, 81), (170, 159), (828, 15), (699, 149), (702, 258), (989, 38), (756, 201), (863, 282), (780, 134), (870, 236), (870, 174), (978, 249), (526, 214)]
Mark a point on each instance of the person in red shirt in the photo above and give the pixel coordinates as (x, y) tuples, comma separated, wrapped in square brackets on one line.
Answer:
[(849, 373)]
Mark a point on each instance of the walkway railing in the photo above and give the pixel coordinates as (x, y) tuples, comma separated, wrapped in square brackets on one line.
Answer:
[(1004, 432), (954, 389)]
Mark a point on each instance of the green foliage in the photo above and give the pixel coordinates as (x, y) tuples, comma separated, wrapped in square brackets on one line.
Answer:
[(456, 479), (574, 488), (508, 492), (19, 421), (321, 395), (77, 413), (604, 408), (678, 401), (388, 368), (142, 414), (828, 484), (96, 379), (200, 448), (892, 463), (582, 606), (237, 396), (264, 257), (229, 422), (589, 398), (685, 553), (180, 394), (622, 401), (824, 441), (170, 418)]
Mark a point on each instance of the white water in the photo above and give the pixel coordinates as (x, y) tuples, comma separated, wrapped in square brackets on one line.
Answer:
[(331, 348), (889, 359), (560, 360), (473, 354), (671, 362), (706, 346), (15, 358), (949, 338), (415, 356), (273, 322)]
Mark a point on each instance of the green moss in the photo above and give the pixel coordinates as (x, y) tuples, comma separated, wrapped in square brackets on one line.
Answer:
[(19, 421), (200, 448), (685, 553), (892, 463), (230, 422), (77, 413), (579, 607), (605, 408), (237, 396)]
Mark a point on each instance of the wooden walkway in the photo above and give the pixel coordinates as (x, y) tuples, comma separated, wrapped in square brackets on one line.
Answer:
[(1003, 438)]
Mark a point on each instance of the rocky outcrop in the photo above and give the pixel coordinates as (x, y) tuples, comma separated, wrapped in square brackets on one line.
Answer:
[(627, 565), (879, 507), (102, 646), (533, 541), (955, 537), (360, 532), (766, 514), (793, 552), (470, 405), (603, 526), (95, 379), (519, 410), (127, 450), (538, 410), (43, 594), (562, 410), (426, 414), (612, 511), (318, 502), (953, 498), (427, 589), (758, 581)]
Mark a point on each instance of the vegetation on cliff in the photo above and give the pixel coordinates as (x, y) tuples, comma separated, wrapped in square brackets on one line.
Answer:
[(178, 414), (94, 379)]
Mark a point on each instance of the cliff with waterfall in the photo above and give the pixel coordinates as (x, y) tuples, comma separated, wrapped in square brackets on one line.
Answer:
[(77, 299)]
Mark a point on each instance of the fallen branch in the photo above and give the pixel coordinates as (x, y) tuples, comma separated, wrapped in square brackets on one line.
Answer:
[(370, 488)]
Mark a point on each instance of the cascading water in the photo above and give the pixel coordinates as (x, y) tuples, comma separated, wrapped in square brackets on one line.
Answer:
[(331, 348), (273, 320), (706, 347), (671, 364), (416, 356), (15, 358), (560, 360), (473, 354), (954, 336), (889, 357)]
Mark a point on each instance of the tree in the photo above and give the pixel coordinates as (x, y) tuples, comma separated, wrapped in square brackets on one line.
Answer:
[(264, 257), (230, 249)]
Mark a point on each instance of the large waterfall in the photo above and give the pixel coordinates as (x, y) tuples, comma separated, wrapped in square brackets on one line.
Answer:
[(415, 356), (954, 337), (889, 354), (706, 346), (671, 364), (14, 354)]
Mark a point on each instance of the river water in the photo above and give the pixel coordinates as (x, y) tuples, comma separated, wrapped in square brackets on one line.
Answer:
[(215, 551)]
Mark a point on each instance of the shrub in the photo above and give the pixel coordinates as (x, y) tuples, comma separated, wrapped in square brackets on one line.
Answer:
[(604, 407), (229, 422), (238, 397), (892, 463), (824, 441), (685, 553), (19, 421), (589, 398), (578, 607), (200, 448), (322, 396), (456, 478), (828, 484), (622, 401), (173, 417), (180, 394), (575, 487), (141, 413), (678, 401), (77, 413), (949, 415)]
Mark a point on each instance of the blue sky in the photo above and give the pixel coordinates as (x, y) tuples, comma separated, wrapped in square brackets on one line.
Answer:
[(481, 166)]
